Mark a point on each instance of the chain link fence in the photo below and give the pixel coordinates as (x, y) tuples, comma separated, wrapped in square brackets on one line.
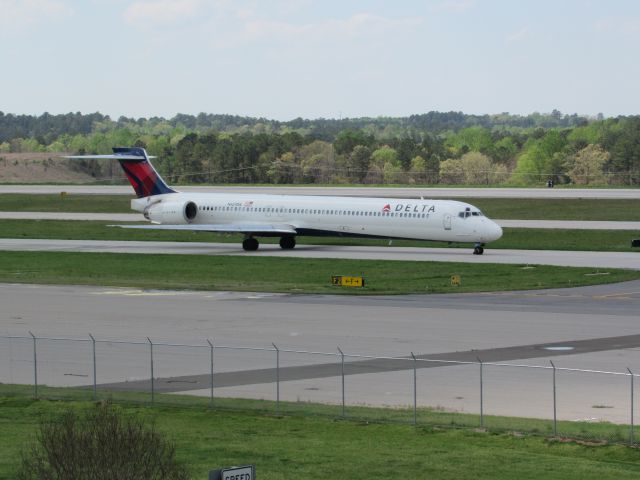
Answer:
[(546, 399)]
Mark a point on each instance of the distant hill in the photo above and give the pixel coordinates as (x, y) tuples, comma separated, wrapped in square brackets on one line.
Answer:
[(39, 168)]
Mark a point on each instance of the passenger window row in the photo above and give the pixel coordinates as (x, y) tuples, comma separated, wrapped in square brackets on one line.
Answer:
[(306, 211)]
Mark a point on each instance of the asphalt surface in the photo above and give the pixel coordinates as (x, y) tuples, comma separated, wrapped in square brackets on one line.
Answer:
[(361, 367), (629, 260), (592, 328)]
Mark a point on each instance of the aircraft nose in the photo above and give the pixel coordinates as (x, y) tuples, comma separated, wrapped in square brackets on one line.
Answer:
[(495, 232)]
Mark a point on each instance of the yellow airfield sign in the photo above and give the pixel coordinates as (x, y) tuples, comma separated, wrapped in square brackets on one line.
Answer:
[(346, 281)]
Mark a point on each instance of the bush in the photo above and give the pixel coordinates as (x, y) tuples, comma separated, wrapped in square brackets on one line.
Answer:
[(100, 444)]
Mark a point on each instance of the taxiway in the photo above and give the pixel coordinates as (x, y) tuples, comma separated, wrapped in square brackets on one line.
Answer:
[(592, 328), (629, 260)]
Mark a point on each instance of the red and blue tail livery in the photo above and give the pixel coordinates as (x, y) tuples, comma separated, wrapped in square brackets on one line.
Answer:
[(143, 177), (135, 162)]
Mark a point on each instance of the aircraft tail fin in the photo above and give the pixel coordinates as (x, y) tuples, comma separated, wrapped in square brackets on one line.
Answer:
[(144, 179)]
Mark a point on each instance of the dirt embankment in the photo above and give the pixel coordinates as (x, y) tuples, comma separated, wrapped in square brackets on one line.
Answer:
[(39, 168)]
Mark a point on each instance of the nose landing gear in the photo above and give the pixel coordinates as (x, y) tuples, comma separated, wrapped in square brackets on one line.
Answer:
[(478, 250)]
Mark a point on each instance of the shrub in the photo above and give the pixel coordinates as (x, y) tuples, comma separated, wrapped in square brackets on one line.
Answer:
[(99, 444)]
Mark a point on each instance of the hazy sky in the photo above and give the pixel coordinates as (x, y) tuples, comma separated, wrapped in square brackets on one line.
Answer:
[(283, 59)]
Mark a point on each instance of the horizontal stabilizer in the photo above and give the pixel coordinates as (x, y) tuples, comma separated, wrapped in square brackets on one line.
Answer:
[(135, 162), (110, 156)]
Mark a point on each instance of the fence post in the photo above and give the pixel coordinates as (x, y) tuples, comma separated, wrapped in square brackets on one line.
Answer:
[(415, 391), (631, 439), (95, 381), (481, 394), (555, 417), (277, 377), (35, 367), (342, 376), (211, 356), (151, 356)]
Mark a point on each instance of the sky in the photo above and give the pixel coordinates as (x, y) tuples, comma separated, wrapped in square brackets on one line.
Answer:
[(283, 59)]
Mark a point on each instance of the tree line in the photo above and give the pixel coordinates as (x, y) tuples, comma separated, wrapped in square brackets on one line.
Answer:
[(46, 127), (432, 148)]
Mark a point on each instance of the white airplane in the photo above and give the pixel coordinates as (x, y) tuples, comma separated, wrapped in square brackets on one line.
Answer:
[(289, 216)]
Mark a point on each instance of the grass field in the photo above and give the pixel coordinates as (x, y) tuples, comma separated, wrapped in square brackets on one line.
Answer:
[(424, 416), (512, 208), (310, 447), (559, 209), (294, 275), (68, 203)]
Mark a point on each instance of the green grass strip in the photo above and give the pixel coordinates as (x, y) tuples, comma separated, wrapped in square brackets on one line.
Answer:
[(293, 275), (17, 202), (594, 209)]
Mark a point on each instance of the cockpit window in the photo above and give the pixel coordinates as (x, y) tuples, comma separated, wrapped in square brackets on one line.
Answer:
[(468, 213)]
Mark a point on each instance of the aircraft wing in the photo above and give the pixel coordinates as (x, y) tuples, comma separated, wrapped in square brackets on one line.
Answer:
[(249, 228)]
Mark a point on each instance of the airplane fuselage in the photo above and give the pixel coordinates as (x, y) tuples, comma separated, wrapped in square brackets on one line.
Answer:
[(393, 218), (288, 216)]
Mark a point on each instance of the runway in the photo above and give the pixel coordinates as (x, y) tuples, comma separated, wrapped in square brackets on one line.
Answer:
[(587, 328), (390, 192), (629, 260)]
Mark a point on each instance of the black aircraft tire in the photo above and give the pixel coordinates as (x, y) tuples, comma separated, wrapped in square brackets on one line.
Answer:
[(250, 244), (287, 242)]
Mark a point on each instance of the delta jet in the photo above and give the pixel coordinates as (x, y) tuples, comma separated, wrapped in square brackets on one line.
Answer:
[(290, 216)]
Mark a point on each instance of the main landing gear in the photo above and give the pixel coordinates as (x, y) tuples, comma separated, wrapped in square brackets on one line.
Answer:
[(478, 250), (250, 244), (287, 242)]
